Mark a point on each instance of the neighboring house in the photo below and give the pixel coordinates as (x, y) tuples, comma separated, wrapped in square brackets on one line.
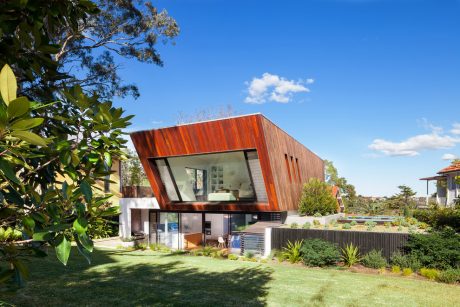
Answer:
[(214, 178), (447, 185), (338, 196)]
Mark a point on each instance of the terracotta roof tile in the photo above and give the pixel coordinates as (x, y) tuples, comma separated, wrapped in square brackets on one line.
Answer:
[(454, 167)]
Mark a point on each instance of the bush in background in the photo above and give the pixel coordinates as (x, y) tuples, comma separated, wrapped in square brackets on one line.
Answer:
[(294, 225), (317, 252), (449, 276), (439, 250), (350, 255), (431, 274), (317, 198), (233, 257), (439, 218), (292, 251), (374, 259), (405, 261), (396, 269), (346, 226), (307, 225), (407, 272)]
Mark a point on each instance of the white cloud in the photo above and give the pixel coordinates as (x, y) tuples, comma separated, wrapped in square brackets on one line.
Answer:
[(455, 129), (413, 145), (274, 88), (449, 156)]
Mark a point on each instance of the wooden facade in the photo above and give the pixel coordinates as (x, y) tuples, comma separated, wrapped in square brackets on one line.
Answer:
[(285, 163)]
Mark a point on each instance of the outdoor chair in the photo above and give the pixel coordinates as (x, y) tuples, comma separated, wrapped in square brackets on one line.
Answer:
[(221, 243)]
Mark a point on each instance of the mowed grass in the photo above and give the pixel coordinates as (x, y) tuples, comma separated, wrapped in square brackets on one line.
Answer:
[(122, 278)]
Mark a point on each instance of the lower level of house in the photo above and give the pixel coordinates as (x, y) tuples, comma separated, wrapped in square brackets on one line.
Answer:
[(188, 230)]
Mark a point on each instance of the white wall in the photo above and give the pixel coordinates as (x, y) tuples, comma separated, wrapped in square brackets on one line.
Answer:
[(126, 204)]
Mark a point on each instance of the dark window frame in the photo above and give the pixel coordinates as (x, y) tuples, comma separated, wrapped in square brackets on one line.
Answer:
[(244, 151)]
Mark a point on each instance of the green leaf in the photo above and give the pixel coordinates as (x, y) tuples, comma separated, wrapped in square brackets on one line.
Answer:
[(63, 249), (85, 252), (86, 242), (8, 171), (26, 124), (18, 107), (28, 222), (85, 188), (108, 159), (42, 236), (80, 225), (30, 137), (8, 85)]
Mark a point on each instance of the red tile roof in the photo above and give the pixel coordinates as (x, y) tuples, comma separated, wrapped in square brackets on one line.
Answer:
[(454, 167)]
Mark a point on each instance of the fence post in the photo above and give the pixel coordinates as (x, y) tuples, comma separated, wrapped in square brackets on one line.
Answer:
[(268, 242)]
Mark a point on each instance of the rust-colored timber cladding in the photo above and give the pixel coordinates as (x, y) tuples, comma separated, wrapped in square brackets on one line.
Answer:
[(229, 134), (291, 163)]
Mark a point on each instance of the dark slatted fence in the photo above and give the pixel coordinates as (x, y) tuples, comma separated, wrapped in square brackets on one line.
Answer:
[(366, 241)]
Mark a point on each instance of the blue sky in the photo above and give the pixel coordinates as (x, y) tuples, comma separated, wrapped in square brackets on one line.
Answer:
[(373, 86)]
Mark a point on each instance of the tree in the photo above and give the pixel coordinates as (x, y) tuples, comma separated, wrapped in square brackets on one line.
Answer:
[(132, 171), (54, 44), (347, 190), (48, 171), (402, 200), (317, 198), (206, 114)]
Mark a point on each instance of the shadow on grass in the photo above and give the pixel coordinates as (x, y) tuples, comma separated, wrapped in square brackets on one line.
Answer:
[(121, 278)]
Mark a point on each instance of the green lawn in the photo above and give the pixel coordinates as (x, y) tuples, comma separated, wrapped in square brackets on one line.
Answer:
[(147, 278)]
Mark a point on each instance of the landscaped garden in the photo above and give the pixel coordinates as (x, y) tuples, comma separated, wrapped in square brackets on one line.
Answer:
[(118, 277)]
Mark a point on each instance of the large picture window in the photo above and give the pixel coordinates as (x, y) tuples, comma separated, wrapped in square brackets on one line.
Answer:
[(216, 177)]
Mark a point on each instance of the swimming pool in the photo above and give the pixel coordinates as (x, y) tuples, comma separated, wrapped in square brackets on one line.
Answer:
[(380, 219)]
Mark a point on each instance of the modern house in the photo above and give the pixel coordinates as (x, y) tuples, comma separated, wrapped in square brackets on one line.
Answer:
[(213, 179), (447, 184)]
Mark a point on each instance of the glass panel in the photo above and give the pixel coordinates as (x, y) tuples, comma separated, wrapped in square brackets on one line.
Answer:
[(257, 177), (168, 229), (213, 177), (191, 230), (166, 178)]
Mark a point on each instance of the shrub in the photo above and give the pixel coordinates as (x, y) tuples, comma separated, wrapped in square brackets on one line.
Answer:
[(429, 273), (159, 248), (387, 224), (249, 255), (317, 214), (233, 257), (407, 272), (317, 252), (279, 255), (294, 225), (292, 251), (316, 223), (396, 269), (439, 250), (405, 261), (370, 225), (306, 225), (350, 255), (140, 246), (374, 259), (317, 198), (440, 218), (449, 276), (346, 226), (422, 225), (353, 223)]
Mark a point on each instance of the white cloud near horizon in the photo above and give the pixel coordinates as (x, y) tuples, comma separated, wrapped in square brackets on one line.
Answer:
[(274, 88), (414, 145), (449, 156), (455, 129)]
